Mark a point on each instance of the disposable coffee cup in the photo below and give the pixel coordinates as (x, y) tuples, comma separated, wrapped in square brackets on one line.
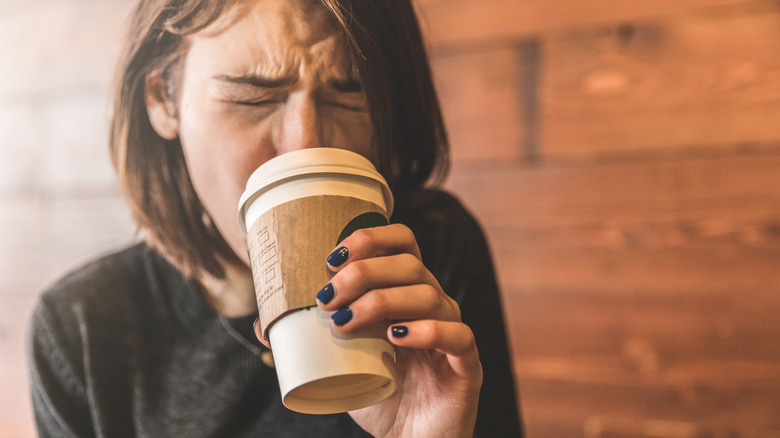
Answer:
[(295, 210)]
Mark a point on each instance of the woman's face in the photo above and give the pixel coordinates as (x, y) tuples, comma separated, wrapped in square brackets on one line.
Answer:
[(269, 77)]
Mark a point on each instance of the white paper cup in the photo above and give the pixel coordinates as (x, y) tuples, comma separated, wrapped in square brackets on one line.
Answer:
[(293, 211)]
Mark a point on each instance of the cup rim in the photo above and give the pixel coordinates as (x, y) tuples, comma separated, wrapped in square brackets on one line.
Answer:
[(308, 162)]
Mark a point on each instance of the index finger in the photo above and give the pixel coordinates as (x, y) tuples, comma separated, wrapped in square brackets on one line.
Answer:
[(374, 242)]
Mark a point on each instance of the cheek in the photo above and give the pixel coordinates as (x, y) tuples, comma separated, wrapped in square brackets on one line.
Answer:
[(222, 152), (355, 133), (221, 155)]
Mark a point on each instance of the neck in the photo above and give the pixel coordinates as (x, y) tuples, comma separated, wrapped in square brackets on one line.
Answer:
[(232, 296)]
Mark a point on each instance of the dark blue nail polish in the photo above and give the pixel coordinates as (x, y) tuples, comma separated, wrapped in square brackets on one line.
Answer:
[(342, 317), (399, 331), (338, 256), (325, 294)]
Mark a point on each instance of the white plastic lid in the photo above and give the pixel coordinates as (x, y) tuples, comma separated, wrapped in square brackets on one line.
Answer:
[(313, 162)]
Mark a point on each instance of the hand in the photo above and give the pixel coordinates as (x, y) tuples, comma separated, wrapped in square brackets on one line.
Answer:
[(380, 278)]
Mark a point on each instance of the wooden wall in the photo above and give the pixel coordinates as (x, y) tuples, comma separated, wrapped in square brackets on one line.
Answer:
[(624, 159), (622, 156), (59, 202)]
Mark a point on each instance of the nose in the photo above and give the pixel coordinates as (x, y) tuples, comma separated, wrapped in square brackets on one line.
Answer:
[(303, 126)]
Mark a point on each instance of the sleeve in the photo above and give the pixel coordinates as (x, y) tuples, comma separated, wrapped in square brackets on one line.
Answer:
[(59, 397), (455, 250)]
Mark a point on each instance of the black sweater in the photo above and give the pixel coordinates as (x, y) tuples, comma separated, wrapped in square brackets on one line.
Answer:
[(126, 346)]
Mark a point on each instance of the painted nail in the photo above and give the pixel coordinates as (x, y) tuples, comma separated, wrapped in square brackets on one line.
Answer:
[(338, 256), (399, 331), (342, 317), (325, 294)]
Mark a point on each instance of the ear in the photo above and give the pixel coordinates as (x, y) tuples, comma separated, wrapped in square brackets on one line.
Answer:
[(162, 112)]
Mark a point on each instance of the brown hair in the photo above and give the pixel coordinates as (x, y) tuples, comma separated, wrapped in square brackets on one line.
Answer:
[(409, 136)]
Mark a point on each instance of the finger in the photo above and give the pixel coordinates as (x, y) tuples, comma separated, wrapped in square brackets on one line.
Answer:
[(452, 338), (361, 276), (419, 301), (259, 333), (373, 242)]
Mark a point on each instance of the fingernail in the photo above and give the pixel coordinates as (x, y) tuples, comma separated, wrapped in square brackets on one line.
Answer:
[(325, 294), (342, 317), (399, 331), (338, 256), (254, 324)]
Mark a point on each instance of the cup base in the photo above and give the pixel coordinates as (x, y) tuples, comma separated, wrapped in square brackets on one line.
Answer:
[(324, 373), (355, 391)]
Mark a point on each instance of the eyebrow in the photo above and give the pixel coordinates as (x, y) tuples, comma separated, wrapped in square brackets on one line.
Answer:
[(346, 85), (258, 81), (342, 85)]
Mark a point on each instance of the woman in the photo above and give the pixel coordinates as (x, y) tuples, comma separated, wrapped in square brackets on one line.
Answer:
[(157, 340)]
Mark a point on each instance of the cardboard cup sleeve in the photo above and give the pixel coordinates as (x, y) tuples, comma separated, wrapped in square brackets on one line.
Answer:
[(295, 211)]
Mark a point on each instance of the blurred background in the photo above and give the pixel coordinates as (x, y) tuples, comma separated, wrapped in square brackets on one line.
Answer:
[(623, 157)]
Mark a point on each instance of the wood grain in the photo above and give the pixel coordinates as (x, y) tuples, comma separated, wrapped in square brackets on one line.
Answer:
[(642, 289), (593, 217), (471, 22), (708, 80), (482, 98)]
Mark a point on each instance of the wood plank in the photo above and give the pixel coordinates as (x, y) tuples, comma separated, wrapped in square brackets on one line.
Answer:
[(707, 81), (66, 44), (687, 224), (645, 290), (658, 337), (481, 94), (16, 418), (43, 235), (468, 22), (73, 149), (619, 427), (638, 381), (611, 371), (19, 144), (712, 410), (53, 124)]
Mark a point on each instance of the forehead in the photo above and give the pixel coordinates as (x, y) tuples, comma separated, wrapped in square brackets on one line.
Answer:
[(305, 20), (254, 35)]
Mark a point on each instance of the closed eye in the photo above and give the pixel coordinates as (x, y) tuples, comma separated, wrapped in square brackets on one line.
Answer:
[(253, 102)]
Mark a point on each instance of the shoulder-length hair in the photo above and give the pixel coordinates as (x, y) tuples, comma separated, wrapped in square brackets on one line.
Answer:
[(410, 141)]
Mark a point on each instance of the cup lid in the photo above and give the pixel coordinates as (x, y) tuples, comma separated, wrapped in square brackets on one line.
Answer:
[(311, 161)]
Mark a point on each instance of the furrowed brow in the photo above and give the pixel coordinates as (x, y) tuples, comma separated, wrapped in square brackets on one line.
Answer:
[(258, 81)]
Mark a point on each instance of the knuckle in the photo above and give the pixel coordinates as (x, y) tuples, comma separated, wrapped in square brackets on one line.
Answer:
[(434, 331), (406, 232), (362, 238), (430, 298), (472, 341), (471, 344), (354, 273), (374, 303), (416, 267), (453, 305)]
